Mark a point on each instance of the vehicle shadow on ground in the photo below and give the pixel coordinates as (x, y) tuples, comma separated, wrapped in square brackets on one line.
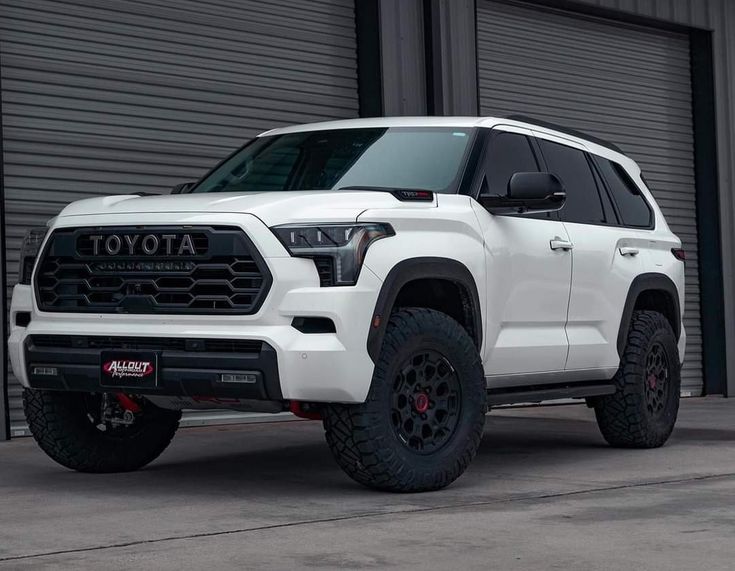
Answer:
[(291, 459), (309, 465)]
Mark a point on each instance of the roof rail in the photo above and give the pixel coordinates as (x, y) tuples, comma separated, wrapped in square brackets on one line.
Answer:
[(567, 130)]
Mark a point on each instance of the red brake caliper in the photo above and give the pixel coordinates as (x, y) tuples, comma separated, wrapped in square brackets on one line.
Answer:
[(652, 381)]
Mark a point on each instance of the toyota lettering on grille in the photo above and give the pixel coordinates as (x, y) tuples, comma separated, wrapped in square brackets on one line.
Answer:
[(147, 245)]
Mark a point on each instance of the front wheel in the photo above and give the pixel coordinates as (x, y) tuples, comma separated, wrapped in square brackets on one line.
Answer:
[(424, 416), (94, 432)]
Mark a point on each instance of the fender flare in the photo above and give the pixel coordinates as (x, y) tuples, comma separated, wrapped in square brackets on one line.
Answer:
[(412, 269), (647, 282)]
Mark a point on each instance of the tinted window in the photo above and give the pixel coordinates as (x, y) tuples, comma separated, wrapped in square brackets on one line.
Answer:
[(509, 153), (571, 166), (397, 157), (607, 205), (632, 207)]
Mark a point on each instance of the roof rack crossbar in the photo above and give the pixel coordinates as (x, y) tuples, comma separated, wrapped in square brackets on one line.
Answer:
[(566, 130)]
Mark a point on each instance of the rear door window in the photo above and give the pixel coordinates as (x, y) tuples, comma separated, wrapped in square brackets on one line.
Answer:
[(632, 206), (583, 202)]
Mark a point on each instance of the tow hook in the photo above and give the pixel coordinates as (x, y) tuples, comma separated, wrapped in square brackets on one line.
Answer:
[(130, 409)]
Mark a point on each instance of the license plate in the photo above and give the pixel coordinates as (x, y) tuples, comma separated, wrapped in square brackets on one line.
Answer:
[(129, 369)]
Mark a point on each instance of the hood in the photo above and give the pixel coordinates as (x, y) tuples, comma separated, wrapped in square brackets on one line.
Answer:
[(271, 207)]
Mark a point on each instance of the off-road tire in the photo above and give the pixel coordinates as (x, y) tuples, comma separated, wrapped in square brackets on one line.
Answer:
[(59, 423), (364, 439), (626, 418)]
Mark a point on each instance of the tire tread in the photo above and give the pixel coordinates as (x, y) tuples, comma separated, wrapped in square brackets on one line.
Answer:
[(621, 417), (54, 420), (364, 447)]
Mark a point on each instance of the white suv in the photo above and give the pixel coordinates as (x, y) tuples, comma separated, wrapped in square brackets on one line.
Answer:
[(393, 277)]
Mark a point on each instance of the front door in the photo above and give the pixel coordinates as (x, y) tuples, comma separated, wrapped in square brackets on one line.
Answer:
[(529, 269)]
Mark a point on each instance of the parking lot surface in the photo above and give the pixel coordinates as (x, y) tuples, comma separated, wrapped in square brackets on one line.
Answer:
[(545, 492)]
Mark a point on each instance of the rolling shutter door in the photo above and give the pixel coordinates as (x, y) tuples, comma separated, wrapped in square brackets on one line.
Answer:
[(629, 85), (106, 97)]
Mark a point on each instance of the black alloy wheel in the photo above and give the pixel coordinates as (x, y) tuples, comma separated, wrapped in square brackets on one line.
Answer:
[(427, 397), (656, 380), (423, 418)]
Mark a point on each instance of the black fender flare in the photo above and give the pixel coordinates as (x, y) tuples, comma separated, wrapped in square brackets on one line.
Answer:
[(412, 269), (647, 282)]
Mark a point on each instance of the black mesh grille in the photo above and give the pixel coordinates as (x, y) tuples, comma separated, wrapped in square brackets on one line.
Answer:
[(148, 343), (151, 270)]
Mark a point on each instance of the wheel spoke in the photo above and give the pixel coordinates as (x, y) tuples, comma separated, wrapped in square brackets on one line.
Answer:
[(656, 380)]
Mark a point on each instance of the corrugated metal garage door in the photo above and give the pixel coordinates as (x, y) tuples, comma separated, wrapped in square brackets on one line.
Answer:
[(630, 85), (107, 97)]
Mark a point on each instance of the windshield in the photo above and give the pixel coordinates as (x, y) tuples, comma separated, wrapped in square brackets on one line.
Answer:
[(396, 158)]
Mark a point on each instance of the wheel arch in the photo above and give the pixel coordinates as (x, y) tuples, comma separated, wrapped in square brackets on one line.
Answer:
[(650, 291), (418, 270)]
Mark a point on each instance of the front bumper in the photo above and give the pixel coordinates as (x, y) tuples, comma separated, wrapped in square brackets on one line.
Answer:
[(313, 367), (188, 368)]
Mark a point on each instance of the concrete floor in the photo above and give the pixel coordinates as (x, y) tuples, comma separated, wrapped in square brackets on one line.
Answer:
[(545, 492)]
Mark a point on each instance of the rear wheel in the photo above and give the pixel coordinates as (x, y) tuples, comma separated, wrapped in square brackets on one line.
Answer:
[(98, 432), (423, 419), (643, 410)]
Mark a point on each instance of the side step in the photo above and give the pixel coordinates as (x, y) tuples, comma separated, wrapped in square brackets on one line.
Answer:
[(538, 393)]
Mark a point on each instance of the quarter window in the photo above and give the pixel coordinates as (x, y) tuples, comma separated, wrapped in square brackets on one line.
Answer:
[(632, 206), (583, 198)]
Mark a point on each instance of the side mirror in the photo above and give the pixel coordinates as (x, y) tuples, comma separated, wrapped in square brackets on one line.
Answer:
[(182, 187), (528, 192)]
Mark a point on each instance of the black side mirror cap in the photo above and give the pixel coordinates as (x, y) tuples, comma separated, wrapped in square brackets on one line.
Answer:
[(528, 192), (533, 185), (182, 187)]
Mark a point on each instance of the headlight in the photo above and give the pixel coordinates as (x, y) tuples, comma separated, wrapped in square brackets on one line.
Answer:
[(28, 253), (338, 250)]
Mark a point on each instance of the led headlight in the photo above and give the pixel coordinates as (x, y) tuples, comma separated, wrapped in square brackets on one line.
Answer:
[(28, 253), (338, 250)]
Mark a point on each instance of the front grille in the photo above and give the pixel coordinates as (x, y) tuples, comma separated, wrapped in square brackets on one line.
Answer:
[(151, 270), (147, 343)]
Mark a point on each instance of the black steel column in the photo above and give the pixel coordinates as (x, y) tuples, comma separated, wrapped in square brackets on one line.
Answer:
[(708, 218), (4, 404)]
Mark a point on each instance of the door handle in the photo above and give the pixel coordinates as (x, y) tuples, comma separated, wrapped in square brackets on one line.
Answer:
[(628, 251), (557, 243)]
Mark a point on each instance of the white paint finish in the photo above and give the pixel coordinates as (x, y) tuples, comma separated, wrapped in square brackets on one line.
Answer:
[(629, 84), (601, 278), (449, 231), (302, 359), (527, 294), (272, 208), (542, 308), (384, 122)]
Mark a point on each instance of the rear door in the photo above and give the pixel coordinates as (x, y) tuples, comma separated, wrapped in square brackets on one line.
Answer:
[(528, 273), (607, 256)]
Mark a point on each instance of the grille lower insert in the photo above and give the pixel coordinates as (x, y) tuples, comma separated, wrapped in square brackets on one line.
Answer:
[(221, 272), (147, 343)]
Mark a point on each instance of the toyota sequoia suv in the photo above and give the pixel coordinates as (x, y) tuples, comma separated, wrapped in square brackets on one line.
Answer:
[(393, 277)]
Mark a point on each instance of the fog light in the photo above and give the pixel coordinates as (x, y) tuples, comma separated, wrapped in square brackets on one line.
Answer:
[(45, 371), (244, 378)]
